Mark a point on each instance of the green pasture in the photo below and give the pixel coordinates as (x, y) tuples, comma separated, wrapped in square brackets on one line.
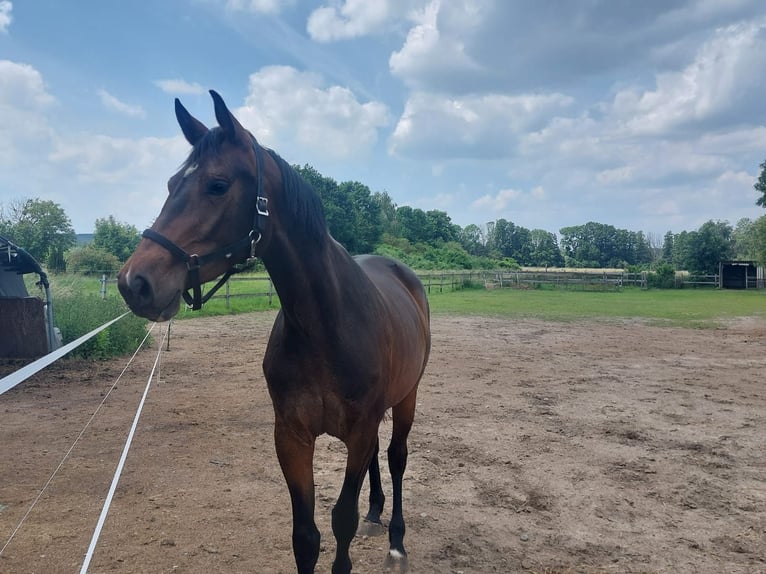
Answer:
[(695, 308), (698, 308)]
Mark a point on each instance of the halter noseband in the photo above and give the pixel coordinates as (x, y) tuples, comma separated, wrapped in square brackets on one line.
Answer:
[(194, 261)]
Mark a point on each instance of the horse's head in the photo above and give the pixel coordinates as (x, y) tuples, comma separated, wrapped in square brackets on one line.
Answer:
[(214, 217)]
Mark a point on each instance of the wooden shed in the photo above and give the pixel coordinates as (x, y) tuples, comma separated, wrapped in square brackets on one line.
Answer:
[(26, 323), (740, 275)]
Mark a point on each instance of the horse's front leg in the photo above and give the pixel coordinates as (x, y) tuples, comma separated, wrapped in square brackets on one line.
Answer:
[(296, 457), (345, 513)]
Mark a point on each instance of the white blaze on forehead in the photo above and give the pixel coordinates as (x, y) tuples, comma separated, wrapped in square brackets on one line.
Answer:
[(190, 170)]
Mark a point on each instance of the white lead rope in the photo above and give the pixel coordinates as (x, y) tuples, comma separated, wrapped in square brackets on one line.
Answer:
[(118, 472)]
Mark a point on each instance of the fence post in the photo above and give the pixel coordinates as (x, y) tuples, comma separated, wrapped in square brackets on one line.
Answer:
[(227, 294), (271, 290), (103, 286)]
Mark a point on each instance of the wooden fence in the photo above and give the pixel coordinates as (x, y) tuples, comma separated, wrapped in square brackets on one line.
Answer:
[(441, 281)]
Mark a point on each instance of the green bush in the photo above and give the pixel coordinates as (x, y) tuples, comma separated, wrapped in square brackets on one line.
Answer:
[(663, 277), (78, 314), (91, 260)]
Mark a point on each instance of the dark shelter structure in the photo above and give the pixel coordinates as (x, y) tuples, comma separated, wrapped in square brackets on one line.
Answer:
[(740, 275), (26, 323)]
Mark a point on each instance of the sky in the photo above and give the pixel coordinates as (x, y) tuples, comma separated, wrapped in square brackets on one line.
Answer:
[(648, 116)]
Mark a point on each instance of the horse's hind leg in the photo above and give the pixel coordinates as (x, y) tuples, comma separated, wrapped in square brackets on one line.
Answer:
[(372, 523), (403, 415)]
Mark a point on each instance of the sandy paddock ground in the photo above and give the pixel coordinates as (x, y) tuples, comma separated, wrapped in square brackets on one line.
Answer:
[(537, 447)]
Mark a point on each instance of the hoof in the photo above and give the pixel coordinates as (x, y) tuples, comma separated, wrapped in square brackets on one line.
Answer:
[(396, 562), (369, 528)]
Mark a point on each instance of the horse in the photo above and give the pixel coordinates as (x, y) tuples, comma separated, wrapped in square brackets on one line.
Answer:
[(350, 342)]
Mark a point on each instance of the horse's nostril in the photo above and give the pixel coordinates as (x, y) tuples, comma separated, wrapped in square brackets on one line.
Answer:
[(136, 290), (142, 289)]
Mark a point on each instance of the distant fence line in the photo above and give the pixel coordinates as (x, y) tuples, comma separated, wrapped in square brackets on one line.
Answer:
[(439, 281)]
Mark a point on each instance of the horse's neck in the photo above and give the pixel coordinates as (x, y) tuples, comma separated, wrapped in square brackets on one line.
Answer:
[(308, 278)]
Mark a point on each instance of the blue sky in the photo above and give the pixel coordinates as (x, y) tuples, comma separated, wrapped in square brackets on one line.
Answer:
[(649, 116)]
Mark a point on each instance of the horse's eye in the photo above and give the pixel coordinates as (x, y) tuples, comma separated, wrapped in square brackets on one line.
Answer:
[(217, 187)]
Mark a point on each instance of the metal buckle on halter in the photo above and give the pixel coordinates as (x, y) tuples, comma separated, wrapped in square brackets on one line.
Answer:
[(262, 205), (193, 263)]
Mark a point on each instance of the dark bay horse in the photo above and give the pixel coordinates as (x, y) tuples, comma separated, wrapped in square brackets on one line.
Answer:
[(352, 337)]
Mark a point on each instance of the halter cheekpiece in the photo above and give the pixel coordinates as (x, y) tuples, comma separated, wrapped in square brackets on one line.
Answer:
[(193, 261)]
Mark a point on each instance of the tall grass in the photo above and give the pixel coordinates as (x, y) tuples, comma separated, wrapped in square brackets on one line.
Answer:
[(78, 314), (78, 309)]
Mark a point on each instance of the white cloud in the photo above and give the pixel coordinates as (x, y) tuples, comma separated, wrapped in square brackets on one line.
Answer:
[(352, 19), (101, 159), (179, 86), (736, 178), (477, 126), (725, 76), (429, 53), (110, 102), (131, 171), (286, 108), (5, 15), (498, 202), (23, 86), (24, 103), (257, 6)]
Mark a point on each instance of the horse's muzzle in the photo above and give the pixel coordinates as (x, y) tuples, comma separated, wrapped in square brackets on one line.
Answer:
[(142, 298)]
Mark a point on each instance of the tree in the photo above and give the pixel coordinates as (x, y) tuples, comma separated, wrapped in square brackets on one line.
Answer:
[(760, 186), (440, 228), (700, 251), (545, 250), (42, 227), (749, 239), (413, 224), (667, 247), (119, 239), (366, 222), (759, 240), (499, 238), (352, 213), (471, 237), (387, 212), (599, 245), (714, 245)]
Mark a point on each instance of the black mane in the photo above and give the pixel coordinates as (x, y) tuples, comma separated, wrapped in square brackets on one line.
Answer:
[(301, 199)]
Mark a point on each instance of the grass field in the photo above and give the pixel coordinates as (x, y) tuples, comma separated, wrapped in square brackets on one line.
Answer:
[(700, 308)]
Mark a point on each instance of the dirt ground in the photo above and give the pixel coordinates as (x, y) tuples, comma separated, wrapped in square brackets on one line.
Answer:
[(537, 447)]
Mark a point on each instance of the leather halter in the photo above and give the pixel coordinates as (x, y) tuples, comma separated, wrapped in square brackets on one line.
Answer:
[(194, 261)]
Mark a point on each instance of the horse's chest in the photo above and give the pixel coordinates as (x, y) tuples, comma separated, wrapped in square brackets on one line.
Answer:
[(324, 388)]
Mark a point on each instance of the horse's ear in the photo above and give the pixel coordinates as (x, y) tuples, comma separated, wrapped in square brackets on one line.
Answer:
[(193, 129), (229, 124)]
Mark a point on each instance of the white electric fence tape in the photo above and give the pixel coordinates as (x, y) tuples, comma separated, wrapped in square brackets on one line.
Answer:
[(79, 436), (120, 465), (10, 381)]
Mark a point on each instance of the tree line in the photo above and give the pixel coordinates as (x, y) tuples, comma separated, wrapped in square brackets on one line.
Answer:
[(370, 222)]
